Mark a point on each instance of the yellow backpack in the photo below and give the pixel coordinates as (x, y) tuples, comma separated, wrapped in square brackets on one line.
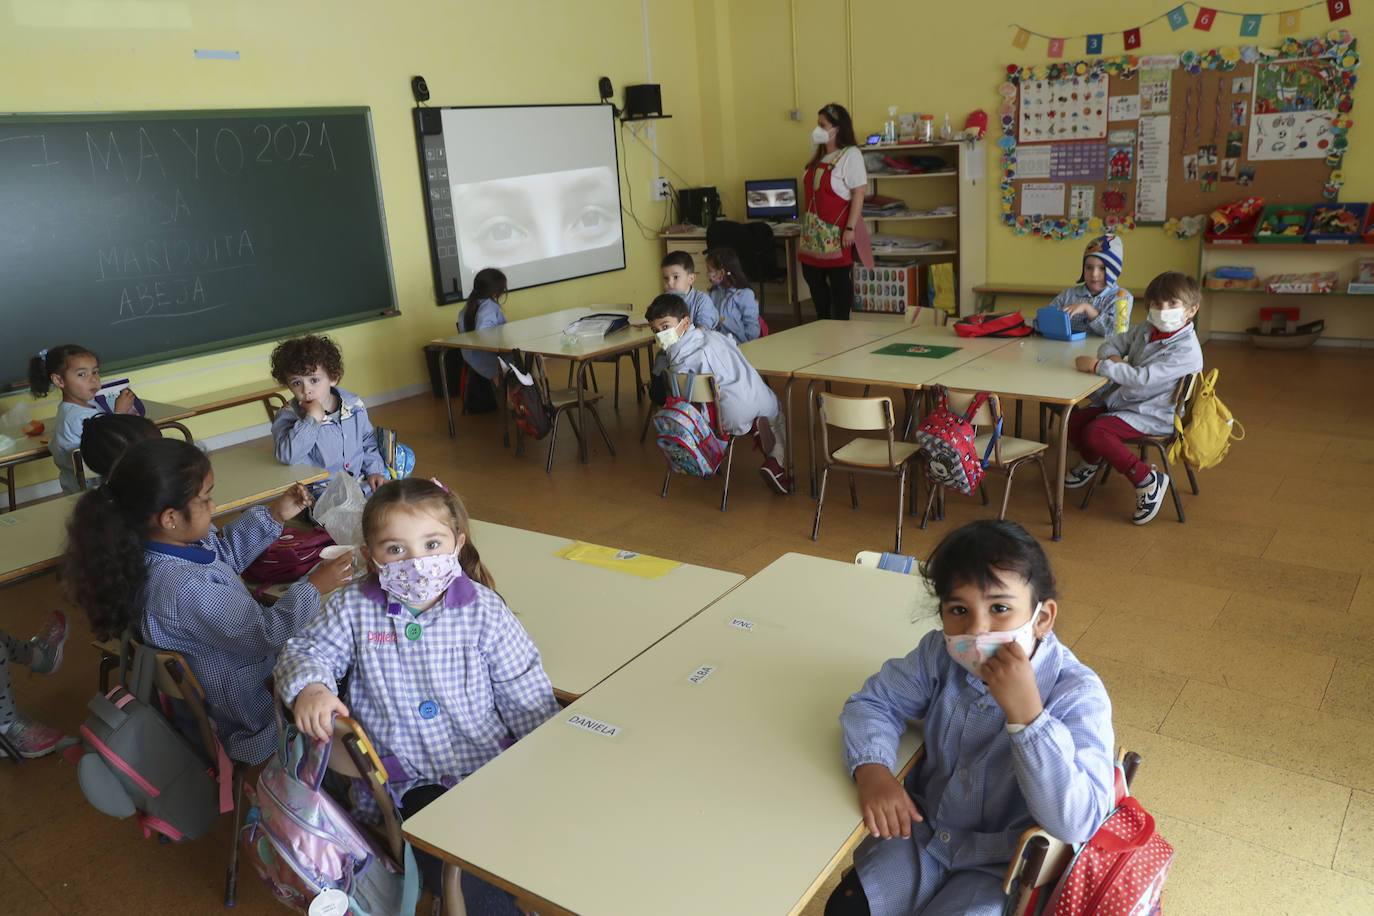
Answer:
[(1210, 430)]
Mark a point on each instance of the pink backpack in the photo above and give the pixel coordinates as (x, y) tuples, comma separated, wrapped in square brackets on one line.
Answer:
[(303, 843), (287, 559), (952, 459), (1121, 870)]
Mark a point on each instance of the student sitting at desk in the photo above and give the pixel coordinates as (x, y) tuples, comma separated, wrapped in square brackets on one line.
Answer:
[(76, 371), (324, 425), (108, 436), (679, 273), (1092, 304), (1018, 732), (731, 295), (747, 404), (483, 311)]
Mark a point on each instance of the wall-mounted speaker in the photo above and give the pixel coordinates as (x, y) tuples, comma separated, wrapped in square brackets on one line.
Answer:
[(420, 88), (644, 100)]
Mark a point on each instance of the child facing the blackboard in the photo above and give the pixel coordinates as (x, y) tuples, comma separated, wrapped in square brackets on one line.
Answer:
[(1093, 302), (323, 425), (74, 370)]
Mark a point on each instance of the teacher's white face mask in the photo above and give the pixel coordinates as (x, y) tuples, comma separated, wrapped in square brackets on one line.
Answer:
[(819, 135)]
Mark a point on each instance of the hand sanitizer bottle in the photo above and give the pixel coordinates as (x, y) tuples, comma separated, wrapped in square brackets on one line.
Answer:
[(890, 127), (946, 132)]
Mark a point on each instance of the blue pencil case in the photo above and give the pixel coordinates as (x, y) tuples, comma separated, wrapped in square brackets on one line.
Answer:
[(1056, 324)]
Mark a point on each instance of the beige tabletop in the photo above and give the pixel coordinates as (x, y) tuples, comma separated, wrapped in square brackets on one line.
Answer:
[(514, 334), (784, 352), (584, 348), (33, 538), (264, 390), (586, 620), (723, 796), (864, 366)]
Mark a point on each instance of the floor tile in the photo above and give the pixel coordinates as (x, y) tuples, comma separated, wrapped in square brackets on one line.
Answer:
[(1139, 592), (1342, 554), (1277, 578), (1280, 623), (1141, 698), (1275, 807), (1355, 855), (1303, 740), (1351, 691), (20, 894), (1226, 660)]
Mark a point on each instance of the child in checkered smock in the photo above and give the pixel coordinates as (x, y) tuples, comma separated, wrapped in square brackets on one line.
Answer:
[(1018, 732), (440, 673)]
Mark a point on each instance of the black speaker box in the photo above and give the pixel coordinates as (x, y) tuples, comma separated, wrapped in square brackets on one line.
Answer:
[(643, 100)]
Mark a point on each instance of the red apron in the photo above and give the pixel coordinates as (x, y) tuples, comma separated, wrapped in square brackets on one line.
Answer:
[(824, 221)]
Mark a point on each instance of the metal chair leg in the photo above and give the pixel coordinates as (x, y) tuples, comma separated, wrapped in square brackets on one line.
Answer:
[(553, 443), (616, 398), (1104, 471), (231, 881), (1049, 491), (1168, 471), (820, 504), (853, 493), (667, 478), (639, 385), (648, 420), (1006, 494), (901, 500), (604, 438), (930, 502), (729, 456)]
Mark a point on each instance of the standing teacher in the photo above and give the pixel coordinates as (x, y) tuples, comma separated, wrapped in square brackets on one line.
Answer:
[(832, 230)]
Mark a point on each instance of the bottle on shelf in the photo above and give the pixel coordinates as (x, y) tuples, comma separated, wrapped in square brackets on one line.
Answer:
[(1123, 311), (890, 126), (946, 131)]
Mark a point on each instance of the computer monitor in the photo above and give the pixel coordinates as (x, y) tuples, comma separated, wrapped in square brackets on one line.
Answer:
[(771, 199)]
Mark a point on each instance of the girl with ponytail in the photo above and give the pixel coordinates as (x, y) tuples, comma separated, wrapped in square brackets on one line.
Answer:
[(142, 555), (440, 673)]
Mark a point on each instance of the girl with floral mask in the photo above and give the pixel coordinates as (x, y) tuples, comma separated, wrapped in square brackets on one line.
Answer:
[(1018, 732), (441, 674)]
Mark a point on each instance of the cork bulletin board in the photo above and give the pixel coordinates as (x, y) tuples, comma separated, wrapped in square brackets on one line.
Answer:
[(1098, 145)]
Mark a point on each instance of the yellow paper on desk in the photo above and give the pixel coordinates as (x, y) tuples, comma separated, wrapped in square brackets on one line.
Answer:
[(626, 561)]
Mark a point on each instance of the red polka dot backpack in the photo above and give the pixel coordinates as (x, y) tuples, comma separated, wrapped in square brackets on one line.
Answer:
[(1121, 870)]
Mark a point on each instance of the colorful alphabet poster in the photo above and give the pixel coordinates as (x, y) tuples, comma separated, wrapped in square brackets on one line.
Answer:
[(1070, 108)]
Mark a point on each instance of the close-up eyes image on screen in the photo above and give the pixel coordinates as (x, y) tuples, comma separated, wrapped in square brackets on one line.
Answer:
[(771, 199), (512, 221)]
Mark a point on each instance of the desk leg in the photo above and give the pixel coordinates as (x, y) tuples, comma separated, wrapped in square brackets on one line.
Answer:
[(505, 408), (791, 433), (9, 485), (811, 433), (1061, 466), (790, 248), (443, 384), (581, 365)]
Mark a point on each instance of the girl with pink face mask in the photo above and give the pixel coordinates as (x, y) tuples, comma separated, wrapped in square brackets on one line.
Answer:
[(441, 674), (1018, 732)]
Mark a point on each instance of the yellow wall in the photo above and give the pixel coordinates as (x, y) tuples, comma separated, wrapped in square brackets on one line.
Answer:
[(84, 55)]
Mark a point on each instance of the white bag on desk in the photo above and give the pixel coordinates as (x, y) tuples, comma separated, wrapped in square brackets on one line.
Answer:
[(340, 509)]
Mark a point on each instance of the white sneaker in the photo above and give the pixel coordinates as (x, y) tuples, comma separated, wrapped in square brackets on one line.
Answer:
[(1150, 496), (1080, 475)]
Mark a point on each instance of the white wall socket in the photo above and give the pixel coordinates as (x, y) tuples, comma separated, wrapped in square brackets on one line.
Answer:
[(661, 189)]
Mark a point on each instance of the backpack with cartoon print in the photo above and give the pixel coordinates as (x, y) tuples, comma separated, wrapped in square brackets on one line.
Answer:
[(946, 437)]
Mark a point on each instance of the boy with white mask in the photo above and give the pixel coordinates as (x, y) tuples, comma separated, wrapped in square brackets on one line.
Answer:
[(747, 404), (1145, 363)]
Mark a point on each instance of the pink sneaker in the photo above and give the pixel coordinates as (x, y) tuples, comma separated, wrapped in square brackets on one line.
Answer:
[(31, 738), (49, 641), (775, 477)]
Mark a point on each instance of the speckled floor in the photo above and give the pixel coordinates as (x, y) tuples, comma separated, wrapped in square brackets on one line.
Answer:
[(1238, 648)]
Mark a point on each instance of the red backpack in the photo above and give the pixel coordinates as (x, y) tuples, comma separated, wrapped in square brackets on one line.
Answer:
[(287, 559), (947, 439), (1012, 324), (1121, 870)]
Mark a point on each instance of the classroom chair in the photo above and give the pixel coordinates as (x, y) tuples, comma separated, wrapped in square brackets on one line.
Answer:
[(892, 562), (1183, 393), (355, 757), (1008, 452), (705, 394), (559, 402), (80, 469), (753, 243), (1040, 859), (863, 455)]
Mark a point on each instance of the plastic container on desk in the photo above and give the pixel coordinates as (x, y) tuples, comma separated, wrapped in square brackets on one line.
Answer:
[(925, 129)]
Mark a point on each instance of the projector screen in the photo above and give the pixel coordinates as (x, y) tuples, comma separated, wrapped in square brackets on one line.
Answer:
[(533, 190)]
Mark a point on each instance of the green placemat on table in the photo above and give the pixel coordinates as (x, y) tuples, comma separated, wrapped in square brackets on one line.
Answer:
[(924, 351)]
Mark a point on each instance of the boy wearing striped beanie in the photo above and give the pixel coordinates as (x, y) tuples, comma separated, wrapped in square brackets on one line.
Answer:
[(1092, 303)]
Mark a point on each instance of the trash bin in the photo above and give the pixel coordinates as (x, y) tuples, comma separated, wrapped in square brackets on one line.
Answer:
[(454, 359)]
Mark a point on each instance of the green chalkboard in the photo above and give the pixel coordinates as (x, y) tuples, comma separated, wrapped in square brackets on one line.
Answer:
[(152, 235)]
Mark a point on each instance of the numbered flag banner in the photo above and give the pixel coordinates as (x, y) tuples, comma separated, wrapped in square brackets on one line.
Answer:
[(1249, 25), (1131, 38), (1056, 47), (1178, 18), (1095, 43), (1204, 20), (1337, 9), (1021, 40), (1290, 22)]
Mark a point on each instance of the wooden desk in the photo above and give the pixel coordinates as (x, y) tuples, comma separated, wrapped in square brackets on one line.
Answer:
[(32, 539), (589, 621), (1039, 368), (782, 354), (727, 796), (693, 241), (504, 338), (269, 393), (862, 366)]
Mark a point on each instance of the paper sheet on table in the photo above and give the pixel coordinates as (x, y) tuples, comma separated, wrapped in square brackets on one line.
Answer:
[(626, 561)]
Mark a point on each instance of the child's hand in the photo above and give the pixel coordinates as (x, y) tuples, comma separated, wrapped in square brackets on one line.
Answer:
[(290, 503), (1085, 363), (888, 809), (315, 709), (375, 480), (1081, 308), (125, 402), (332, 574), (316, 410), (1011, 681)]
